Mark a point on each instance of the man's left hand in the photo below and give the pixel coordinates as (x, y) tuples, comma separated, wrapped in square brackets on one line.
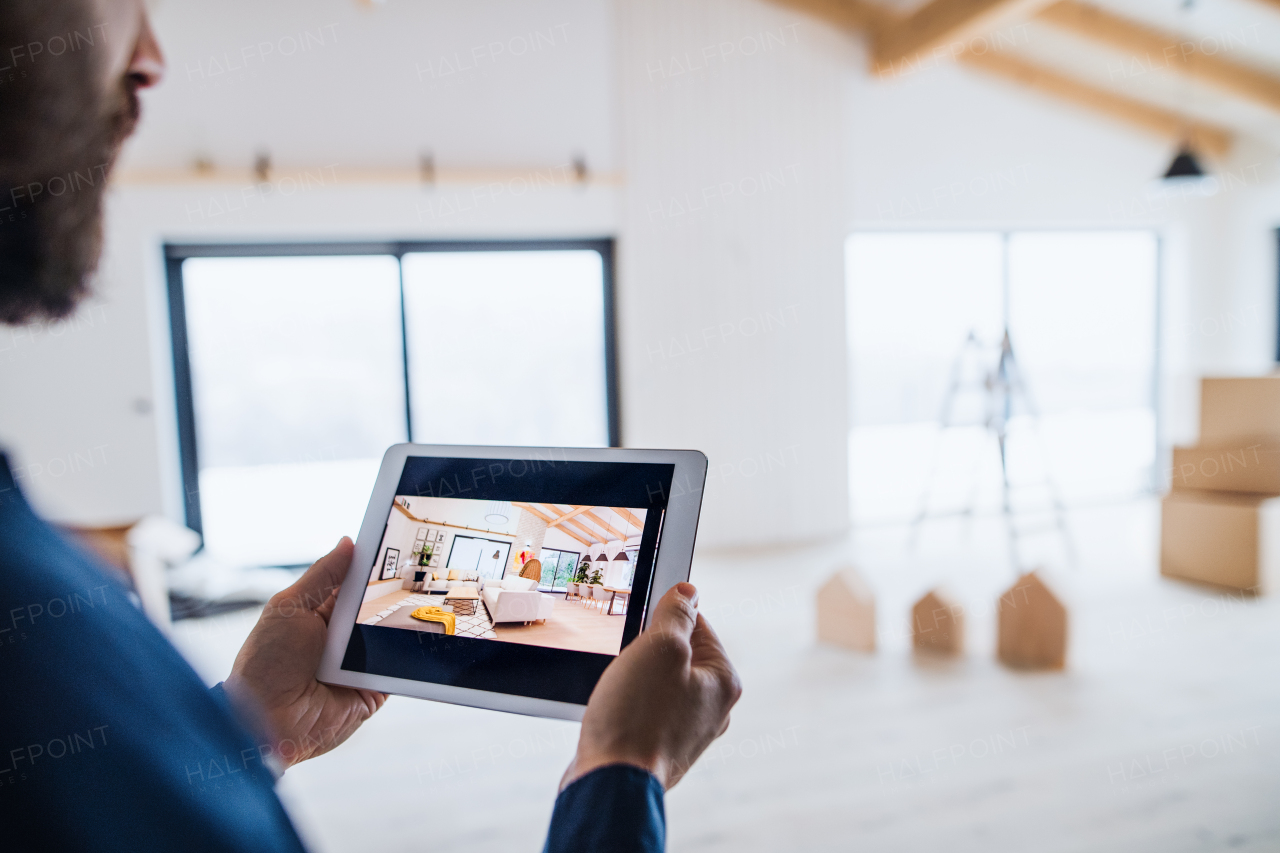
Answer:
[(274, 675)]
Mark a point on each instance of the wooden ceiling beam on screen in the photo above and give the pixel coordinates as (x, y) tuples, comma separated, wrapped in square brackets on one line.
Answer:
[(565, 529), (904, 42), (629, 517), (597, 538), (597, 520), (537, 512), (530, 508), (1149, 48), (1203, 137), (573, 512)]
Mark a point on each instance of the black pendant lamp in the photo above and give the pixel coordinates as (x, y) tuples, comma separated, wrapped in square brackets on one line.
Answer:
[(1185, 165)]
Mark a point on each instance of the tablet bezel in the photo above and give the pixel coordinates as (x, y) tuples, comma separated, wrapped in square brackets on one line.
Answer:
[(671, 564)]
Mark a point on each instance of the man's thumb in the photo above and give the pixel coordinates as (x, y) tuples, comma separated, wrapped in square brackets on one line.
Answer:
[(676, 613)]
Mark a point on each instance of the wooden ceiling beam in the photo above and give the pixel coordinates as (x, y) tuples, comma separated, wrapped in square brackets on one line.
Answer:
[(532, 509), (540, 514), (629, 517), (904, 41), (941, 20), (1150, 48), (575, 511), (852, 16), (564, 528), (1203, 137), (595, 519), (594, 535)]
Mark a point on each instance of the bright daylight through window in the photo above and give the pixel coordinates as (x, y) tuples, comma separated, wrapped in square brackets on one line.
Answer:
[(298, 371), (1080, 308)]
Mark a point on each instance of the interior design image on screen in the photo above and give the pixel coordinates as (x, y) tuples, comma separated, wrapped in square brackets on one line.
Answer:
[(542, 574), (520, 576)]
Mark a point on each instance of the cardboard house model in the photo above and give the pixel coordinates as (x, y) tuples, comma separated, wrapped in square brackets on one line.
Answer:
[(937, 624), (1221, 522), (1031, 626), (847, 612)]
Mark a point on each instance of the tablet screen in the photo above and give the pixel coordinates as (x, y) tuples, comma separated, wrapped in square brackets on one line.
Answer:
[(516, 576)]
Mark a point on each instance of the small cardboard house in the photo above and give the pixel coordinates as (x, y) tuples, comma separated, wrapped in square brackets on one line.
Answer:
[(937, 624), (1031, 626), (847, 612)]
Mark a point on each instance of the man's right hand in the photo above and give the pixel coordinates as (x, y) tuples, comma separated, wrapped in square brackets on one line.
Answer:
[(663, 700)]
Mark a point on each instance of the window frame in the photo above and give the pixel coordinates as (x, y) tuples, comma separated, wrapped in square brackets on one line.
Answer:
[(453, 543), (577, 556), (176, 253), (1160, 475)]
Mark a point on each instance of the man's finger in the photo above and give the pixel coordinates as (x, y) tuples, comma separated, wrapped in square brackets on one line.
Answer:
[(677, 612), (709, 656), (706, 643), (325, 611), (312, 590)]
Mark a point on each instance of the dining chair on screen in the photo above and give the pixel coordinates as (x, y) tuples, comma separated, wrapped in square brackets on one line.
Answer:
[(601, 595)]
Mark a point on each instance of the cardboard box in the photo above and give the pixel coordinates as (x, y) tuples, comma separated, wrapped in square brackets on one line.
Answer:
[(1239, 408), (1250, 466), (1221, 538)]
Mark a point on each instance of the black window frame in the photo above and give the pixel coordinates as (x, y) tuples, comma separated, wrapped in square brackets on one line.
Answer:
[(176, 253), (453, 543), (577, 556)]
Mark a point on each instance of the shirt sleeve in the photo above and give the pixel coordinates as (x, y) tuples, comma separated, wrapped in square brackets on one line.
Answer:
[(616, 808)]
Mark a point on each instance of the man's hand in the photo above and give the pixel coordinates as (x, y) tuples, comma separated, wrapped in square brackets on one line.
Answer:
[(275, 672), (665, 698)]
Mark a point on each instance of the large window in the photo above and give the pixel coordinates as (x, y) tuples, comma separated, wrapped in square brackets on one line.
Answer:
[(927, 313), (558, 568), (297, 366), (486, 557)]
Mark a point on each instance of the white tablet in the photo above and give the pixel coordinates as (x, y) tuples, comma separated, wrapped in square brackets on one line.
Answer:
[(510, 577)]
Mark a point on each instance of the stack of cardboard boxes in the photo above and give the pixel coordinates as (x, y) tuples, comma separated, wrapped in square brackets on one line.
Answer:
[(1221, 522)]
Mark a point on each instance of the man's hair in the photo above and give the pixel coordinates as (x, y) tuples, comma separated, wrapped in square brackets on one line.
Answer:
[(61, 127)]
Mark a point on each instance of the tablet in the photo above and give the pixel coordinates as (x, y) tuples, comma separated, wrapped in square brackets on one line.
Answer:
[(509, 577)]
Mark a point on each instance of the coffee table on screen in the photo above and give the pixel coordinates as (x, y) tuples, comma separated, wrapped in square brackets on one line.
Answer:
[(463, 599)]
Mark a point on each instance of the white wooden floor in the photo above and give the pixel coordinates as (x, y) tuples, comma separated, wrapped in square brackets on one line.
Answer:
[(1163, 734)]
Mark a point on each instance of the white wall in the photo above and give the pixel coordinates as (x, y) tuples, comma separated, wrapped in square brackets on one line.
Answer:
[(88, 415), (751, 141), (734, 134)]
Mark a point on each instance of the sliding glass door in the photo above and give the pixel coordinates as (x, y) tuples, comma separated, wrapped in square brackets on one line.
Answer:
[(558, 568), (927, 316), (506, 347), (298, 387), (296, 366)]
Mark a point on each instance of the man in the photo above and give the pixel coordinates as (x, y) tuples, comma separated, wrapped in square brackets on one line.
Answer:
[(108, 739)]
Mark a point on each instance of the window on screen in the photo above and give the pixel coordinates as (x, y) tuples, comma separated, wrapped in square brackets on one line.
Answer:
[(303, 369)]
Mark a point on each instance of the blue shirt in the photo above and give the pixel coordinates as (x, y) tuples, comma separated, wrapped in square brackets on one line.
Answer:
[(110, 741)]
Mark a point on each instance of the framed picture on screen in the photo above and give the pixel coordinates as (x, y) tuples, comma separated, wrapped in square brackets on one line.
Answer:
[(389, 564)]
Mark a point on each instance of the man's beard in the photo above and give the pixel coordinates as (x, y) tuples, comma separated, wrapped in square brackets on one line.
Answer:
[(51, 234)]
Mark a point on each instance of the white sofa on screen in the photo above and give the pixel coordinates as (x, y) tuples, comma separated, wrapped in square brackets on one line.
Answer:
[(516, 600)]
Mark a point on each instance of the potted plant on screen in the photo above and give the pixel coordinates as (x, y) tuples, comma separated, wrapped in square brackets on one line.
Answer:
[(583, 569), (595, 577), (424, 556)]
